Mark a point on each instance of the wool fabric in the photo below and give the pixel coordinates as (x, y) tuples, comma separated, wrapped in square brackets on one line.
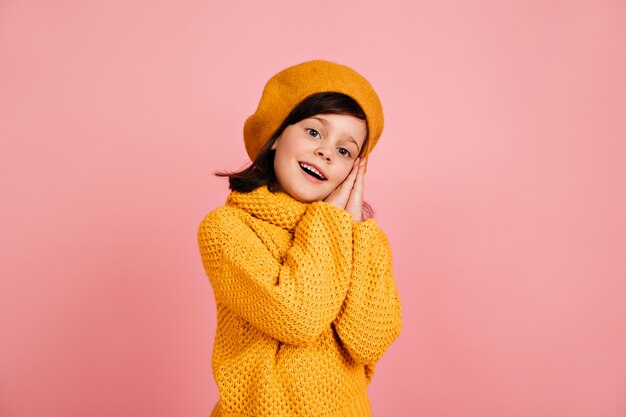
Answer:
[(285, 90), (306, 305)]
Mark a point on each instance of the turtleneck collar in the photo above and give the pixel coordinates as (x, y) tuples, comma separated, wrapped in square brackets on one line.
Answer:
[(278, 208)]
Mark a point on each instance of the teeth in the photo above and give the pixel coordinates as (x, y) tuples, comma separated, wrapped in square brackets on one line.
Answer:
[(309, 167)]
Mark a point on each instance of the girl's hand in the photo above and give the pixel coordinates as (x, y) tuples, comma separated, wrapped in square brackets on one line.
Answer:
[(349, 195), (355, 202)]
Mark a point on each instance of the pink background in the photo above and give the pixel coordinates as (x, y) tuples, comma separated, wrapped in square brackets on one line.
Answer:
[(500, 180)]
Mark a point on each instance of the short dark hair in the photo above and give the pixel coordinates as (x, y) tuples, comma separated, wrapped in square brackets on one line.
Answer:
[(261, 171)]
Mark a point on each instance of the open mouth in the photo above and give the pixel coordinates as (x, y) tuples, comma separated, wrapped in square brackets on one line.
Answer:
[(312, 172)]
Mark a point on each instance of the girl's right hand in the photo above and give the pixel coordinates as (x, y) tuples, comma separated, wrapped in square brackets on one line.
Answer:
[(340, 196)]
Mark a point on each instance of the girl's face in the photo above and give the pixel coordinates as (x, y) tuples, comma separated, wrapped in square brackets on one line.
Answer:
[(315, 155)]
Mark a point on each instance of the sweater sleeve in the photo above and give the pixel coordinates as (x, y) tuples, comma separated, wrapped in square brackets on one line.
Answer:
[(291, 299), (370, 318)]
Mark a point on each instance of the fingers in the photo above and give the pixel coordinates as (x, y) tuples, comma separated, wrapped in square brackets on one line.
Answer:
[(358, 184), (350, 179), (340, 196), (360, 177), (355, 202)]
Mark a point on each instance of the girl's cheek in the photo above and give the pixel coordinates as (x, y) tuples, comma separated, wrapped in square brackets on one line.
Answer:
[(345, 177)]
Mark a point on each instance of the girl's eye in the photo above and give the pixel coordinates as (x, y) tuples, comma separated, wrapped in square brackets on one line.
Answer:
[(344, 152), (315, 134)]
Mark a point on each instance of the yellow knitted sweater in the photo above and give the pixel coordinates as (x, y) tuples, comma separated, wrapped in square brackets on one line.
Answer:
[(306, 305)]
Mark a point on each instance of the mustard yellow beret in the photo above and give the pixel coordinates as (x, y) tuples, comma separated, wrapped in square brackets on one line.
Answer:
[(285, 90)]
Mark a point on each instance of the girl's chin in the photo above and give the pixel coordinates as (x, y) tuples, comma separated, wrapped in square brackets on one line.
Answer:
[(306, 192), (303, 199), (308, 198)]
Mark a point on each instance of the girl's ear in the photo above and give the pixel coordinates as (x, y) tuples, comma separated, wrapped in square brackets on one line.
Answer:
[(274, 144)]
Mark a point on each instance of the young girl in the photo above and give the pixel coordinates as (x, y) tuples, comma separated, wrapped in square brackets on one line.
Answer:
[(303, 282)]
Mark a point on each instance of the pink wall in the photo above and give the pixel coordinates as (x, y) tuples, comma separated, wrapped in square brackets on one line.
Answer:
[(500, 180)]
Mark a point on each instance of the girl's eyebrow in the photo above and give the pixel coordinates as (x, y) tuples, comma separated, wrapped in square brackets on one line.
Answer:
[(325, 122)]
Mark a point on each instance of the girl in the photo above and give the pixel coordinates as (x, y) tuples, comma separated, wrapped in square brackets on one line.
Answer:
[(303, 283)]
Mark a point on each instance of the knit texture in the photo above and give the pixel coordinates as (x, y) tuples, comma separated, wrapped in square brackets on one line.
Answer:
[(306, 305), (286, 89)]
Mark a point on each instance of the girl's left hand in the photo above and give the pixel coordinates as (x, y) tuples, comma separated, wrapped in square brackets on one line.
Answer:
[(355, 201)]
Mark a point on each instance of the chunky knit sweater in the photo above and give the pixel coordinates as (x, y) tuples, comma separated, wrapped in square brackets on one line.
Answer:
[(306, 305)]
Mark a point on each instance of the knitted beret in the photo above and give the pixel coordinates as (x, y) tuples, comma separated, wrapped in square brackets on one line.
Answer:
[(285, 90)]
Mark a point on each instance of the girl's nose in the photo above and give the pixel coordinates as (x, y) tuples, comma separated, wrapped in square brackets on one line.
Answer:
[(324, 154)]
